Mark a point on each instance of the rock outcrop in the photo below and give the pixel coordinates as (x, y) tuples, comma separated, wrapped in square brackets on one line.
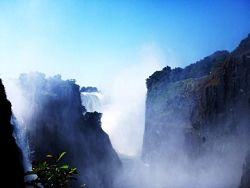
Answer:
[(12, 170), (58, 122), (171, 100), (89, 89), (204, 105)]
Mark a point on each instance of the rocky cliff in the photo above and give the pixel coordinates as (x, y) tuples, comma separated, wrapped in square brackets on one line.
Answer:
[(171, 99), (201, 108), (12, 171), (56, 121)]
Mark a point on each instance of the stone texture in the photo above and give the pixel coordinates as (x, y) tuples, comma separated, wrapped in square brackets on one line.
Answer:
[(12, 171)]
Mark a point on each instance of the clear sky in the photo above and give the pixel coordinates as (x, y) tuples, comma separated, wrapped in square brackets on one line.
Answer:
[(90, 40)]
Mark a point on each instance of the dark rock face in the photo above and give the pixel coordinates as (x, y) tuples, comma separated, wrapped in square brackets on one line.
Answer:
[(89, 89), (203, 103), (225, 97), (58, 122), (171, 99), (12, 171)]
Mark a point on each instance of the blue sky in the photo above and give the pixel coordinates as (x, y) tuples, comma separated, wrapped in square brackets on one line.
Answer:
[(92, 40)]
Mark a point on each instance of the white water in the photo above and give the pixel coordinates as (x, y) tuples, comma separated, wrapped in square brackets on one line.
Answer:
[(19, 109), (92, 101)]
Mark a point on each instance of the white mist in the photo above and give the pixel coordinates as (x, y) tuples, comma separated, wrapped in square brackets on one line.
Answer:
[(124, 111)]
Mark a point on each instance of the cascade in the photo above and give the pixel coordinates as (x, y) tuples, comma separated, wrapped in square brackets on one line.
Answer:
[(92, 101)]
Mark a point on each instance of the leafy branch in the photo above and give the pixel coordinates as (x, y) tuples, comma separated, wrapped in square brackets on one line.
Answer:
[(52, 173)]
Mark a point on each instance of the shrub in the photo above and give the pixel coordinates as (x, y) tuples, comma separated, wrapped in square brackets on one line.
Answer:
[(52, 173)]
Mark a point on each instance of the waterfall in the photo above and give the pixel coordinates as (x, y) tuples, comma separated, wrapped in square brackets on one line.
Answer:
[(19, 107), (92, 101), (22, 142)]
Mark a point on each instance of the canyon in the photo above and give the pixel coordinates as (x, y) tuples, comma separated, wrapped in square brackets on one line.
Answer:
[(197, 127)]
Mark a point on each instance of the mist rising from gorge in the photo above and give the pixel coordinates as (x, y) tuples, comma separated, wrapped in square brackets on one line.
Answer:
[(196, 129), (124, 107), (176, 170)]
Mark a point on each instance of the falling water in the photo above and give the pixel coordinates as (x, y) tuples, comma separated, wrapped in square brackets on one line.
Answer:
[(92, 101), (19, 107), (22, 141)]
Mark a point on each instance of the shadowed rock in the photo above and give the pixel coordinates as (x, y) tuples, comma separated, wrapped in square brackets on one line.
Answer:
[(58, 122), (200, 110), (12, 171)]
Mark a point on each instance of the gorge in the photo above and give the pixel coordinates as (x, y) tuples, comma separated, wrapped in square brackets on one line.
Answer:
[(197, 126)]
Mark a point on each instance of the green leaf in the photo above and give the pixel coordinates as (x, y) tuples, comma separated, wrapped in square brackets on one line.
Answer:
[(64, 166), (61, 156), (73, 170)]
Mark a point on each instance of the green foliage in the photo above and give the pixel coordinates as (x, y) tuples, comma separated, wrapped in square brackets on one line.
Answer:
[(52, 173)]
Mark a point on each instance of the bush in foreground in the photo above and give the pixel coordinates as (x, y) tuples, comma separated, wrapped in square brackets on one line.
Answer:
[(52, 173)]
